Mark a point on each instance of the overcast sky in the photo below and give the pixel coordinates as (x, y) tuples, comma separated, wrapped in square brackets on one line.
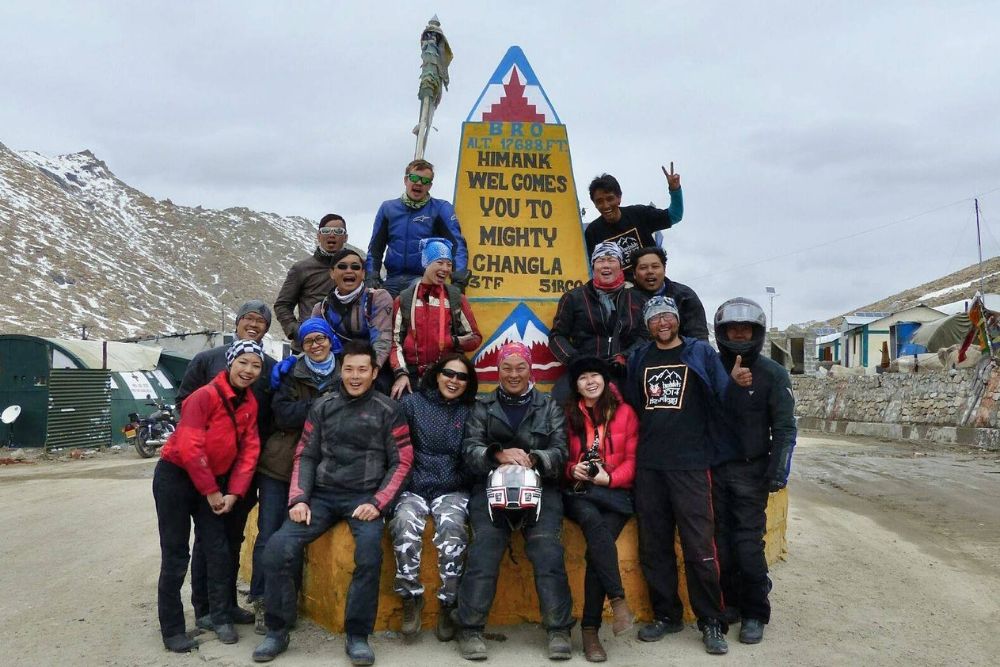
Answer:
[(793, 124)]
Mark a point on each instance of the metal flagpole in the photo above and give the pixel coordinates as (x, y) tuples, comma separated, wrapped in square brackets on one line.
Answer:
[(435, 56)]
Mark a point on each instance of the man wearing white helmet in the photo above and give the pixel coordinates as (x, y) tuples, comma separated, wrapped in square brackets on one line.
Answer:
[(516, 425), (752, 465)]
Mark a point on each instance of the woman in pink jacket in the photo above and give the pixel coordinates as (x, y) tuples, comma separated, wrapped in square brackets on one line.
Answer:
[(204, 468), (602, 434)]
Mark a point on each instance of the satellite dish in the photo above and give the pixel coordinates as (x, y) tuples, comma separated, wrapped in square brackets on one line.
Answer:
[(10, 414)]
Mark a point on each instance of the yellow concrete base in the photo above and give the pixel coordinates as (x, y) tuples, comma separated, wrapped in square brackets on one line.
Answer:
[(330, 562)]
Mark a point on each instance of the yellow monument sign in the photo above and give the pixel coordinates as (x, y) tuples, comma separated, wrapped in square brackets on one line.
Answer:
[(516, 199)]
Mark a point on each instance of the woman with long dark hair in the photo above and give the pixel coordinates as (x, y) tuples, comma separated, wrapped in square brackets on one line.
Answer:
[(205, 467), (602, 432), (438, 486)]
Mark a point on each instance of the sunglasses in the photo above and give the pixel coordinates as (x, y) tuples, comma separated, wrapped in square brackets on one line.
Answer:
[(461, 376), (315, 340), (417, 178), (344, 266), (336, 231)]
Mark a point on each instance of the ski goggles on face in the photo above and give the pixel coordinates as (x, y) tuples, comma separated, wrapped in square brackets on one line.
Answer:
[(461, 376), (336, 231), (417, 178)]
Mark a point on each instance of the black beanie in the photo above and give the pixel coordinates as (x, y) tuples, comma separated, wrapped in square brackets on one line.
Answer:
[(588, 364)]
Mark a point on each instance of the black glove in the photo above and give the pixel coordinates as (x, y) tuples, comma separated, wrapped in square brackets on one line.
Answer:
[(460, 279), (776, 485), (373, 281)]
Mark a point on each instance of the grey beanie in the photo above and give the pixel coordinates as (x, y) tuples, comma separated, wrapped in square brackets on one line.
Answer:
[(658, 305), (254, 306)]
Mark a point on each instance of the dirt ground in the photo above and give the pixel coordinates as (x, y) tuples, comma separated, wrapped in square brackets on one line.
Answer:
[(894, 558)]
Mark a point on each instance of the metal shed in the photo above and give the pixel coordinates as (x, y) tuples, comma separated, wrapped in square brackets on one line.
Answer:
[(78, 393)]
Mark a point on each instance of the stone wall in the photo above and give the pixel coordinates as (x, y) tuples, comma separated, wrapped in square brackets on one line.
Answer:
[(944, 406)]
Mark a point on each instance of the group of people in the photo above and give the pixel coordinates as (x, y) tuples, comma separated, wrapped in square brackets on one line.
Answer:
[(378, 421)]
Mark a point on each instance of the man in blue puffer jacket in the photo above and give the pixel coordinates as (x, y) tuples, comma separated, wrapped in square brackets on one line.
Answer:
[(402, 223)]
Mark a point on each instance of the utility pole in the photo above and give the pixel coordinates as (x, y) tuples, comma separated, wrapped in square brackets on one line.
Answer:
[(979, 242), (771, 294)]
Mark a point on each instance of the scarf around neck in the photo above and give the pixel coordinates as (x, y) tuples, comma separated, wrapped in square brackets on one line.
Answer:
[(508, 399), (322, 370), (413, 203), (350, 296), (611, 286)]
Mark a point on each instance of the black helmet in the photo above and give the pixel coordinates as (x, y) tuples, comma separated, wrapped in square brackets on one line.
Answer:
[(743, 311)]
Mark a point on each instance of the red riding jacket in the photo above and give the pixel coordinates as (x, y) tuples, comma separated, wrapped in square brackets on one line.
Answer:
[(617, 448), (208, 444)]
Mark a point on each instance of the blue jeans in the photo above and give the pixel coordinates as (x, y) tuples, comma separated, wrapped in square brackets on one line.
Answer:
[(272, 510), (283, 555)]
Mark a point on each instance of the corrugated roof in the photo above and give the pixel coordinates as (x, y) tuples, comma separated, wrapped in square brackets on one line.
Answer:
[(829, 338)]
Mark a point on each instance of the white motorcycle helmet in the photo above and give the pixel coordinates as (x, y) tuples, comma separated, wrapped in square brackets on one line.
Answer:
[(512, 487)]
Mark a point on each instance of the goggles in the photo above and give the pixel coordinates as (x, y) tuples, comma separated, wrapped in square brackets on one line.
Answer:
[(417, 178)]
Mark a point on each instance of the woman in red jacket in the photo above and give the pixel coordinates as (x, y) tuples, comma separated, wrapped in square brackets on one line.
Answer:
[(206, 465), (602, 432)]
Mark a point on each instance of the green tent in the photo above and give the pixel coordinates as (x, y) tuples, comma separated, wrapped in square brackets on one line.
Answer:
[(944, 332)]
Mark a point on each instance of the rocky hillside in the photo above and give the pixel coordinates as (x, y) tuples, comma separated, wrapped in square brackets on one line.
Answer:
[(958, 286), (82, 248)]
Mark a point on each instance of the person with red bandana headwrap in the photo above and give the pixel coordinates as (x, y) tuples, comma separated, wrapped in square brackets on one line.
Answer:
[(515, 425)]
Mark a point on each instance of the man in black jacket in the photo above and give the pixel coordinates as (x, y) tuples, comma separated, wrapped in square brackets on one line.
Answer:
[(350, 464), (520, 426), (651, 280), (601, 318), (252, 321), (755, 463), (631, 227)]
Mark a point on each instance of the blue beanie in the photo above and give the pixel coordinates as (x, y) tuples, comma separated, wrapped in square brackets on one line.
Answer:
[(320, 325), (314, 325), (433, 249)]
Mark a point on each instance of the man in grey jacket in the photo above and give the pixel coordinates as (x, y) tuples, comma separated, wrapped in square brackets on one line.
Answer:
[(308, 280)]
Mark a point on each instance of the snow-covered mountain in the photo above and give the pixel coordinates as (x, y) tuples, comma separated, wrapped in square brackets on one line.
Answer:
[(83, 248)]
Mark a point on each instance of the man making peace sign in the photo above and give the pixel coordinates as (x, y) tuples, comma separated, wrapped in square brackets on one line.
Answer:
[(631, 227)]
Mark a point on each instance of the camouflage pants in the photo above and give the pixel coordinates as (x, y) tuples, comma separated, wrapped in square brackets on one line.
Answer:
[(451, 536)]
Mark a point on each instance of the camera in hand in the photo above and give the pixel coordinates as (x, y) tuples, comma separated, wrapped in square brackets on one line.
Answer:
[(591, 457)]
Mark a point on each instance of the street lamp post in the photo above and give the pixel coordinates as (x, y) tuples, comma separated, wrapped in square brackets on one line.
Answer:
[(771, 293)]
